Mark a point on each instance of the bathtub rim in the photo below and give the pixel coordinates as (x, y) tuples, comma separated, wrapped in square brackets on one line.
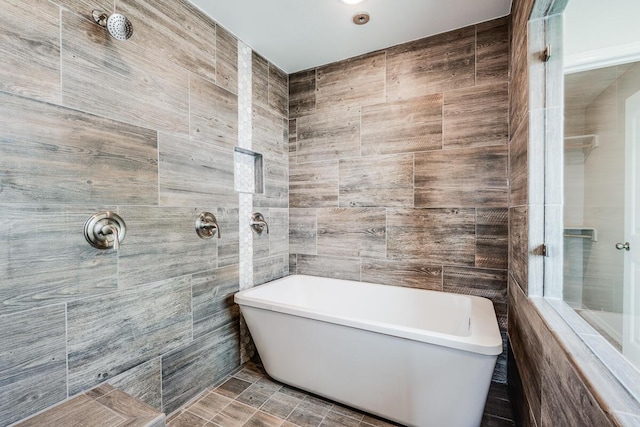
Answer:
[(485, 337)]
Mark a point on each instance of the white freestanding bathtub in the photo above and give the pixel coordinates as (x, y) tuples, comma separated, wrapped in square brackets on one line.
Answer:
[(416, 357)]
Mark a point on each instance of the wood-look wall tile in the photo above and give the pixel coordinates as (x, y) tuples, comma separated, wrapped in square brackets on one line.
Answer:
[(519, 166), (176, 250), (476, 116), (261, 241), (313, 185), (276, 185), (352, 232), (431, 65), (278, 232), (292, 137), (492, 238), (440, 197), (194, 367), (226, 60), (101, 75), (434, 236), (144, 382), (57, 155), (302, 93), (402, 126), (525, 336), (110, 334), (377, 181), (302, 231), (293, 264), (85, 7), (34, 364), (492, 51), (30, 52), (521, 409), (519, 245), (326, 266), (519, 85), (213, 113), (566, 400), (213, 305), (351, 83), (491, 284), (328, 135), (132, 410), (278, 91), (229, 243), (176, 31), (411, 274), (80, 410), (269, 269), (66, 268), (462, 172), (195, 173), (260, 79)]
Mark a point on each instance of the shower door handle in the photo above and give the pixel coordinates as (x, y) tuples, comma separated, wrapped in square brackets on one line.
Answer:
[(621, 246)]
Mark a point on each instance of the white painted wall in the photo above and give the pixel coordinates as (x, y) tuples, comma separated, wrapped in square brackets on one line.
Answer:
[(603, 32)]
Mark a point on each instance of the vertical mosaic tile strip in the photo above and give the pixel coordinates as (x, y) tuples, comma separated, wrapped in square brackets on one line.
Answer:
[(244, 175)]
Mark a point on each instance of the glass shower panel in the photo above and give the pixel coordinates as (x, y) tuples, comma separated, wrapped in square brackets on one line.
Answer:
[(595, 194)]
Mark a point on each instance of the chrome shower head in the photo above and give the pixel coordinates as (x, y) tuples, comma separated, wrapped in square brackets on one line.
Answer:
[(118, 25)]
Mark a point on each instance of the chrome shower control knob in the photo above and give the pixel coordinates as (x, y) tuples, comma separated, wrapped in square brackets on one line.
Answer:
[(105, 230)]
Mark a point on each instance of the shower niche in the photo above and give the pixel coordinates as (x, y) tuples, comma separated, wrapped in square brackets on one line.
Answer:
[(248, 171)]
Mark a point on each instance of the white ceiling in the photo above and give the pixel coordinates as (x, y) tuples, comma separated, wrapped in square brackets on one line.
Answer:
[(301, 34)]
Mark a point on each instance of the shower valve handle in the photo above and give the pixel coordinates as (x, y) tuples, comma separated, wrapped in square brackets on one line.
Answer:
[(625, 246)]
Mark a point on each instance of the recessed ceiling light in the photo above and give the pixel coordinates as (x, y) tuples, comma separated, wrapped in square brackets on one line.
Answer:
[(351, 1), (361, 18)]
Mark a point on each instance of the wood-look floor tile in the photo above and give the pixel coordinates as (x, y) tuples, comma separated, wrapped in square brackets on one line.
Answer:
[(431, 65), (234, 415), (412, 274), (250, 372), (210, 405), (252, 397), (262, 419), (213, 113), (377, 422), (351, 83), (135, 412), (476, 116), (155, 92), (233, 387), (302, 93), (187, 419), (176, 31), (380, 181), (30, 52), (226, 60), (403, 126), (352, 232), (434, 236), (334, 419), (280, 404), (144, 382)]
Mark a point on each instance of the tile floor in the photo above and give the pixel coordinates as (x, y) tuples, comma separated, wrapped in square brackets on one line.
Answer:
[(250, 398)]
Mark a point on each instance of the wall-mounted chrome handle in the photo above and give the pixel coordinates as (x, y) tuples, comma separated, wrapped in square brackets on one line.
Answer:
[(258, 224), (207, 225), (105, 230), (625, 246)]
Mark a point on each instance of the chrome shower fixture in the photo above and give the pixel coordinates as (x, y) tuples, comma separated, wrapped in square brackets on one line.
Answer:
[(118, 25)]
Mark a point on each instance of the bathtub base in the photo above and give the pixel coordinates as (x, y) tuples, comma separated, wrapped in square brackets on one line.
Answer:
[(409, 382)]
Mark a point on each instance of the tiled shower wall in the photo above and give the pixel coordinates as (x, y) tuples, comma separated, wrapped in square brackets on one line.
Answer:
[(398, 166), (144, 127)]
